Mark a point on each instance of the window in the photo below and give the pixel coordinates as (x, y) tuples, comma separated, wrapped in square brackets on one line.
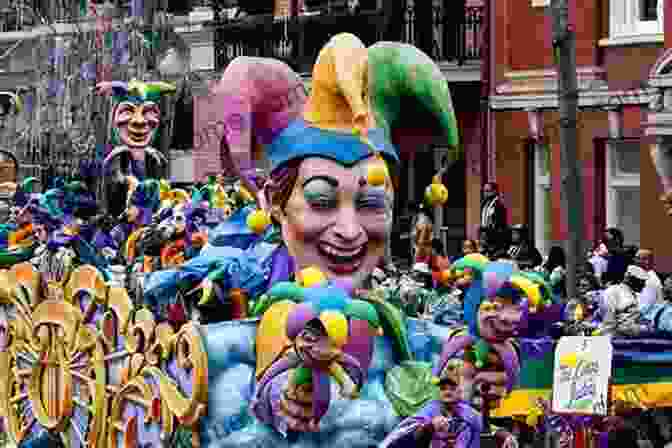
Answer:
[(629, 18), (543, 208), (623, 188)]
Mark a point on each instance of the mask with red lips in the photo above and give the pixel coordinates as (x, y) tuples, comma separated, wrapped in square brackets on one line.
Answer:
[(335, 221)]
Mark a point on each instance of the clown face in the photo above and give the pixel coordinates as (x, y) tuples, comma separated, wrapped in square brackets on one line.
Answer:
[(335, 220), (136, 123), (499, 319), (314, 346)]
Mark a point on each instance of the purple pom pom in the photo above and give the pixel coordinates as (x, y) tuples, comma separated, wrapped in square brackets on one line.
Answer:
[(298, 318)]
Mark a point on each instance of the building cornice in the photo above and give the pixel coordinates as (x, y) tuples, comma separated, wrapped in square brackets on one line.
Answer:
[(546, 80), (587, 98)]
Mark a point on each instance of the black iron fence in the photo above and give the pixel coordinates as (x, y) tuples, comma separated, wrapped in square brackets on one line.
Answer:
[(442, 31)]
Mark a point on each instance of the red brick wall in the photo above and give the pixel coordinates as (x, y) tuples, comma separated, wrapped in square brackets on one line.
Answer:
[(530, 34)]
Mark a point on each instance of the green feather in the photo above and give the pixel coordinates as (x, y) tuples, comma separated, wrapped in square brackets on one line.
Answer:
[(481, 352), (393, 322)]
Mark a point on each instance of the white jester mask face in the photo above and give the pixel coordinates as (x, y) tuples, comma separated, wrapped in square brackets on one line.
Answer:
[(136, 123)]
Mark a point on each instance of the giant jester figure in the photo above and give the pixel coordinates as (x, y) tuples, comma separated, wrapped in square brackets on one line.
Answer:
[(331, 194)]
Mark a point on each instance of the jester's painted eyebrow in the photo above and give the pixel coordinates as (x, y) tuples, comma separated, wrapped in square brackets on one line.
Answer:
[(328, 179)]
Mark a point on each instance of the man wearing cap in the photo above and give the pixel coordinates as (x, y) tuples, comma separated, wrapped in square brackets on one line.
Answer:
[(442, 423), (621, 305)]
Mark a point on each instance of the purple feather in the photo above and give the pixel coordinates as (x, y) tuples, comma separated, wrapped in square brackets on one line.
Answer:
[(321, 393)]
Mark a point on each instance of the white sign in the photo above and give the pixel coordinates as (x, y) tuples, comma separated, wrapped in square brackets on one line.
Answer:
[(581, 375)]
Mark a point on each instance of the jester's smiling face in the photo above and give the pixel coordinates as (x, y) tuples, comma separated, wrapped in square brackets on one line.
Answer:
[(137, 122), (314, 346), (499, 319)]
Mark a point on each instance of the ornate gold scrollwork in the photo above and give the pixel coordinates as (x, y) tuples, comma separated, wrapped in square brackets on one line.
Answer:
[(77, 364)]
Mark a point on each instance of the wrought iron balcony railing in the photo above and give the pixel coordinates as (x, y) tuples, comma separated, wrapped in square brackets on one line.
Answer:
[(440, 32)]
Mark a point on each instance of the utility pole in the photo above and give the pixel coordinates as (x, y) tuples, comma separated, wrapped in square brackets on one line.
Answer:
[(564, 48)]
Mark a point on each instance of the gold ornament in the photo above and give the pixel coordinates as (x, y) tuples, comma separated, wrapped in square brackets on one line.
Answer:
[(82, 348)]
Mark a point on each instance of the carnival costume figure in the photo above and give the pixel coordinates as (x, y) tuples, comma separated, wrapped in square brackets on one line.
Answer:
[(442, 423)]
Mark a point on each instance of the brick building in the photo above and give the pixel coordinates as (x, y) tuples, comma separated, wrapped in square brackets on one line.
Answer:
[(622, 59)]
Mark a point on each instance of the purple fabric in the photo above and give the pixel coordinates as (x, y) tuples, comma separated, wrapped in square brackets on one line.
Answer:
[(452, 348), (266, 403), (282, 266), (119, 234), (536, 348), (102, 240), (469, 421)]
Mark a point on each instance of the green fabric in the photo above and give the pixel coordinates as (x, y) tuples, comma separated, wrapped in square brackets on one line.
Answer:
[(393, 322), (398, 70), (409, 387), (538, 374), (303, 375)]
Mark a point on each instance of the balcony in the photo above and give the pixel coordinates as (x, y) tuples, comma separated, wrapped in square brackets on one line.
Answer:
[(444, 35)]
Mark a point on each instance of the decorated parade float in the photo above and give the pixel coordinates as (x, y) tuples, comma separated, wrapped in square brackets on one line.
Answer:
[(251, 318)]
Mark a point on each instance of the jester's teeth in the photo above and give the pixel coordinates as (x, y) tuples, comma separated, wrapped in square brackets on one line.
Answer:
[(330, 250)]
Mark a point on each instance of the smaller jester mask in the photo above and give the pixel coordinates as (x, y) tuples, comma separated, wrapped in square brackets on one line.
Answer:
[(136, 115)]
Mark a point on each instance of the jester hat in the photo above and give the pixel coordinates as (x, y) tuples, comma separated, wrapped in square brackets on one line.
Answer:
[(24, 191), (356, 94), (473, 297)]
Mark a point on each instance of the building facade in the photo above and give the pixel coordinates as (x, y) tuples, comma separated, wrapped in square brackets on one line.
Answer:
[(621, 64)]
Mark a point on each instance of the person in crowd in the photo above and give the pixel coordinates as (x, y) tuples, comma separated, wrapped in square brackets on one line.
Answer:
[(424, 232), (493, 211), (617, 257), (622, 317), (667, 289), (413, 210), (439, 261), (522, 249), (469, 246), (555, 268), (653, 290), (493, 244), (598, 260)]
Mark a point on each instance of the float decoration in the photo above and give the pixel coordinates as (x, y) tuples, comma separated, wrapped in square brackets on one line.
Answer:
[(82, 364)]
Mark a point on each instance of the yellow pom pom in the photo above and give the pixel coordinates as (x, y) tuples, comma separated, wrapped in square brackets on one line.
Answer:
[(310, 276), (337, 327), (377, 174), (436, 194), (435, 380), (446, 276), (532, 419), (258, 221)]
